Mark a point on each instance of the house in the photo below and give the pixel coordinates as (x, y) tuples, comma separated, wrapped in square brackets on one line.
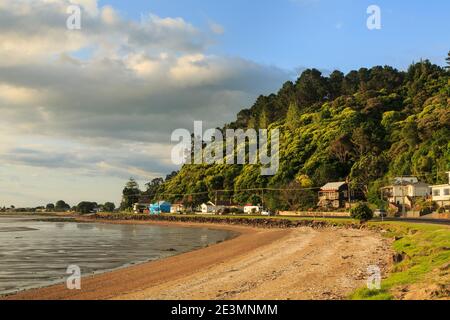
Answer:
[(405, 191), (140, 207), (441, 194), (214, 208), (251, 209), (160, 207), (177, 208), (335, 195)]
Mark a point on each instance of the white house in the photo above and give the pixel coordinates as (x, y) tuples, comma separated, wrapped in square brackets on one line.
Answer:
[(441, 193), (405, 191), (212, 208), (251, 209)]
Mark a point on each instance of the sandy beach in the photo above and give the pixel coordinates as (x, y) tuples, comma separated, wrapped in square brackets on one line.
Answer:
[(302, 263)]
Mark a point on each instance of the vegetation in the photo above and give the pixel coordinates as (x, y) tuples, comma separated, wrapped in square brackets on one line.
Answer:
[(86, 207), (130, 194), (62, 206), (424, 267), (361, 212), (109, 207), (366, 126)]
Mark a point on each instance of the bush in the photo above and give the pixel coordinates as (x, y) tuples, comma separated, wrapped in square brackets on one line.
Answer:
[(362, 212)]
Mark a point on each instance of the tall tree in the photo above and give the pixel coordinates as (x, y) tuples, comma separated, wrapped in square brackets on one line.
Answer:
[(448, 61), (130, 194), (264, 120), (293, 116)]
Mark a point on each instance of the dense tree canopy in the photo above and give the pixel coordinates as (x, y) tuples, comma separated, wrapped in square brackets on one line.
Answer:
[(62, 206)]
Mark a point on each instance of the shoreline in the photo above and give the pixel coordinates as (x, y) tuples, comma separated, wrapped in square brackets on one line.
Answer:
[(138, 277)]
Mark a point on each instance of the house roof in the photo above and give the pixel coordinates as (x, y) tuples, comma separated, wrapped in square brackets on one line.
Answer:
[(405, 183), (333, 186)]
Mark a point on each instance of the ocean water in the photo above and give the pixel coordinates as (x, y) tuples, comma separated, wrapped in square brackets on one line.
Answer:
[(36, 253)]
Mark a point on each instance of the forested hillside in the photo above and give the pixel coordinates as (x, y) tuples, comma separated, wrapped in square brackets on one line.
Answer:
[(365, 126)]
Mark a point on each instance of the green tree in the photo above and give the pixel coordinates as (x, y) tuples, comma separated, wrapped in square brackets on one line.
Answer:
[(62, 206), (362, 212), (85, 207), (50, 207), (130, 194), (293, 116), (410, 133), (109, 207), (264, 120), (448, 61), (336, 81)]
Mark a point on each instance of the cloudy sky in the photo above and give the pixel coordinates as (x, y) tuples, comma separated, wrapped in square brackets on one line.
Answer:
[(83, 110)]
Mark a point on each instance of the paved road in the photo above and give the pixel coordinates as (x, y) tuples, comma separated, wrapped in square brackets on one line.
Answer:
[(413, 220), (416, 220)]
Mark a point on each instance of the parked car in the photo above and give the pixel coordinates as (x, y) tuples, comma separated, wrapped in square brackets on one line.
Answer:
[(267, 213), (380, 213)]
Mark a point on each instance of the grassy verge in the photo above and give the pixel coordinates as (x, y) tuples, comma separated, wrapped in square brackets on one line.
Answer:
[(424, 269)]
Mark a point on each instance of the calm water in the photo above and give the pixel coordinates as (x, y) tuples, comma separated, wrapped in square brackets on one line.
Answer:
[(35, 253)]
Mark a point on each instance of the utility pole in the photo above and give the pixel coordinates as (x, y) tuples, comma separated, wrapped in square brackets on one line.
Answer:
[(349, 194), (403, 201), (262, 198)]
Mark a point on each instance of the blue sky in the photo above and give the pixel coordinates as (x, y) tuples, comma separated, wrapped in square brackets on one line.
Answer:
[(325, 34)]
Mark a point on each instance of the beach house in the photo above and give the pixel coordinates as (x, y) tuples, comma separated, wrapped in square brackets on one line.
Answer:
[(177, 208), (441, 194), (405, 191), (214, 208), (336, 195)]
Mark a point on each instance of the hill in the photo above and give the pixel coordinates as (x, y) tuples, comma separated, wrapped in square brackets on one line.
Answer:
[(366, 126)]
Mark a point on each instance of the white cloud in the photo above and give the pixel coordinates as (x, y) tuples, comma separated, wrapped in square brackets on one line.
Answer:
[(104, 100)]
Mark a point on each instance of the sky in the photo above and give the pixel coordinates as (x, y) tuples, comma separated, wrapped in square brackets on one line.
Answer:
[(84, 110)]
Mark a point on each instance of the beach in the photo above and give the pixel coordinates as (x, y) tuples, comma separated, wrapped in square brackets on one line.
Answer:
[(299, 263)]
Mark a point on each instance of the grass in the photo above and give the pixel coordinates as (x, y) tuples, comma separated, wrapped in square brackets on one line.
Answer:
[(426, 249)]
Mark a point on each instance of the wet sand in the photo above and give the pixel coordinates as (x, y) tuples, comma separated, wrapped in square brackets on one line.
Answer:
[(298, 263)]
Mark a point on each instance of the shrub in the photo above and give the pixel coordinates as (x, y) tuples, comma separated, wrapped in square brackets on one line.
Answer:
[(362, 212)]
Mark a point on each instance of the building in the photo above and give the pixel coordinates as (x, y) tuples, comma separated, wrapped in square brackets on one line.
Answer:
[(160, 207), (251, 209), (405, 191), (214, 208), (177, 208), (441, 194), (335, 195)]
